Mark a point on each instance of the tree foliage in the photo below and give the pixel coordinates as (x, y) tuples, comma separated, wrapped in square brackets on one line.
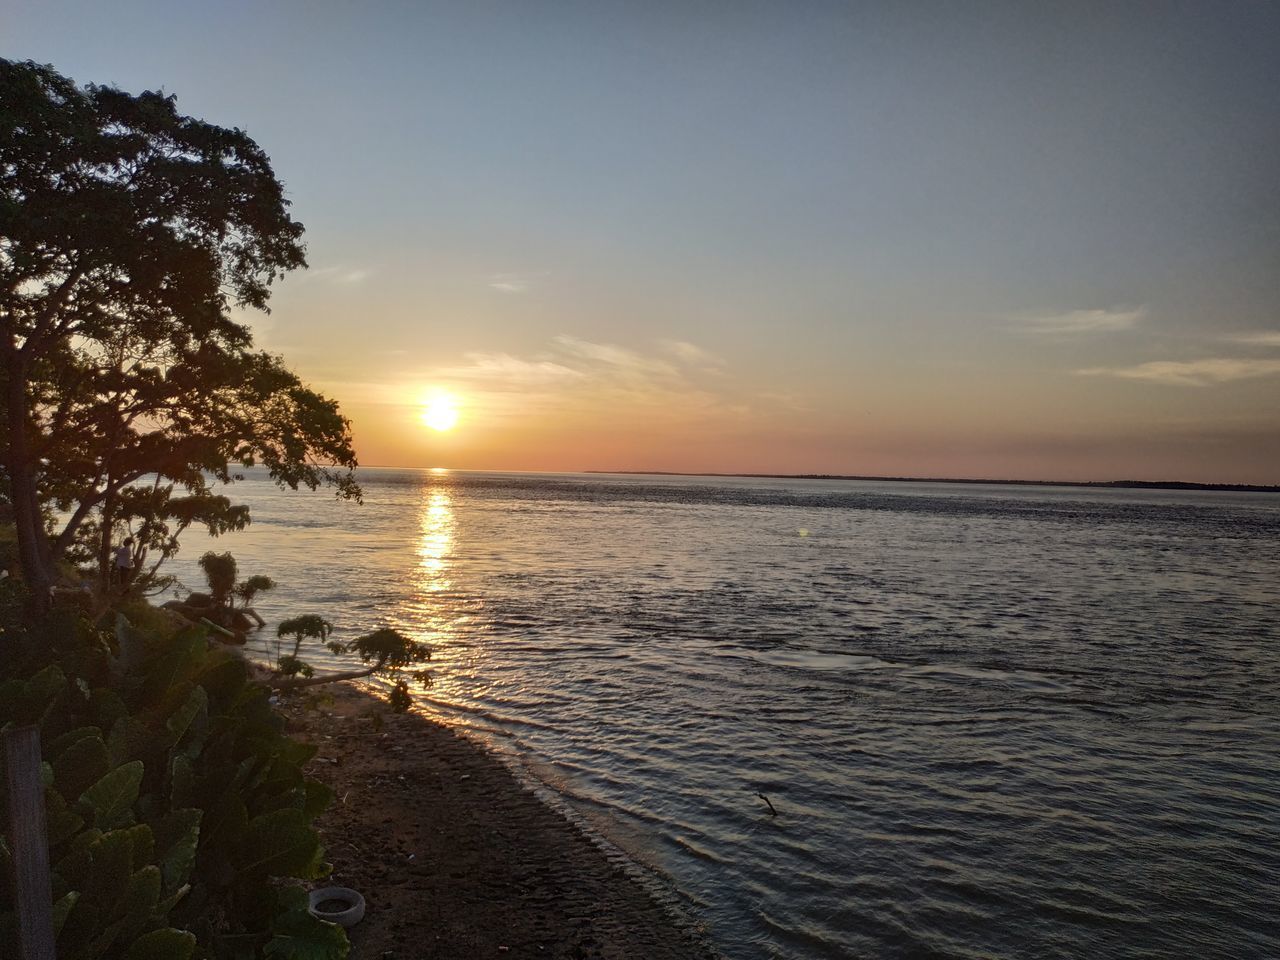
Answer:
[(128, 233)]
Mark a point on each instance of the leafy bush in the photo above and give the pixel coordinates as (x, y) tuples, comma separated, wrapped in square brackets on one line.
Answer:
[(387, 652), (220, 572), (179, 820)]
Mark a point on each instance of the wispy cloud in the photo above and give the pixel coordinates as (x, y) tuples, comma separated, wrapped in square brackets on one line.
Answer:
[(691, 354), (503, 372), (1190, 373), (342, 275), (1262, 338), (585, 379), (513, 282), (614, 361), (1082, 322), (596, 385)]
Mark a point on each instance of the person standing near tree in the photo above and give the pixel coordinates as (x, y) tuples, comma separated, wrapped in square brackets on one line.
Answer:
[(124, 563)]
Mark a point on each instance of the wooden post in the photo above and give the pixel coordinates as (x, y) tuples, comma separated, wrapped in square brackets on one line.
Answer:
[(29, 844)]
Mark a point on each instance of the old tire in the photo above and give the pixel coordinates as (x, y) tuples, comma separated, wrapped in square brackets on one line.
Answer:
[(351, 913)]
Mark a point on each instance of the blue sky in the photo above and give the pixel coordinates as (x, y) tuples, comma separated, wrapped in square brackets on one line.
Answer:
[(1031, 240)]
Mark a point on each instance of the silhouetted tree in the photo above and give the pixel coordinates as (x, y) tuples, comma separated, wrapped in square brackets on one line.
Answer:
[(128, 232)]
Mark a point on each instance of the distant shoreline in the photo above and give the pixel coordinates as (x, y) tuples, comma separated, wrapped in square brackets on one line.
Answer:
[(1099, 484)]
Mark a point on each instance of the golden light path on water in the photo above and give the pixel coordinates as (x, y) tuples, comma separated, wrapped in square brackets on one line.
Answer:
[(435, 543), (436, 612)]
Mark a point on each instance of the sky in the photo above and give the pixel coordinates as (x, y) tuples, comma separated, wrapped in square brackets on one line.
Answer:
[(1028, 241)]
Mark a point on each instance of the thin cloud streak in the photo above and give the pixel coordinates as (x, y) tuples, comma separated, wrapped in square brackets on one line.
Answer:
[(691, 354), (1189, 373), (1083, 322), (340, 275), (513, 282), (1263, 338), (501, 371)]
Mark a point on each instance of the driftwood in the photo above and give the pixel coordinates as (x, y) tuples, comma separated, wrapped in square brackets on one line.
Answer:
[(294, 683), (228, 623)]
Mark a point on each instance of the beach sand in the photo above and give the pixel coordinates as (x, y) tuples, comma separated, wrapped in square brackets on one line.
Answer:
[(456, 859)]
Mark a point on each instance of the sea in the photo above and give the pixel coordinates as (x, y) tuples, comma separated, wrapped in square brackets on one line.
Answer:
[(843, 719)]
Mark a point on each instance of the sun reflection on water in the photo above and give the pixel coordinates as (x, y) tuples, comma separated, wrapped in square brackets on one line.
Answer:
[(435, 542), (437, 610)]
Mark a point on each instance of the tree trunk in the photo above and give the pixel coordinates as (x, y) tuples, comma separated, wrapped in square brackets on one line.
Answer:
[(33, 547), (104, 543)]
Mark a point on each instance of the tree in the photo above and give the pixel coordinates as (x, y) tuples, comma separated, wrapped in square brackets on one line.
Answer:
[(128, 233), (386, 652), (227, 605)]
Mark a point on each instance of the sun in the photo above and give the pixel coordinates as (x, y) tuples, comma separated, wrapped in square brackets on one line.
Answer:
[(440, 411)]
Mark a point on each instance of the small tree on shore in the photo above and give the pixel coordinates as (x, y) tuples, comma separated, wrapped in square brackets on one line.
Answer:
[(387, 653)]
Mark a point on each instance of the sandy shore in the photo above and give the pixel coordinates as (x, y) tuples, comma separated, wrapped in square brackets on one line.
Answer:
[(457, 860)]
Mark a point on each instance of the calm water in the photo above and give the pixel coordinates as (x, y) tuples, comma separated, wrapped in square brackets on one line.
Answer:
[(994, 721)]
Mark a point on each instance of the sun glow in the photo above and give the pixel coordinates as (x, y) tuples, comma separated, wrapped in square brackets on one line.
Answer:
[(440, 411)]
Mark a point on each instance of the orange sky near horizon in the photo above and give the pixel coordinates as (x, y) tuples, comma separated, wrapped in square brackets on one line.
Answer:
[(555, 415)]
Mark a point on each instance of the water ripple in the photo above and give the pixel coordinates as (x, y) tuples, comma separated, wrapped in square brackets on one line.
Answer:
[(992, 722)]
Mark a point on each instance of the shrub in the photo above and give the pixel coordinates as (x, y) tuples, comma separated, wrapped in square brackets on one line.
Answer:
[(179, 820)]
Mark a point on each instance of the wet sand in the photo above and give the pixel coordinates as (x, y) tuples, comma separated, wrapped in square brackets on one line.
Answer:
[(457, 860)]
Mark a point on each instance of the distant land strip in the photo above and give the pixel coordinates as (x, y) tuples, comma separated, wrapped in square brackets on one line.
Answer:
[(1105, 484)]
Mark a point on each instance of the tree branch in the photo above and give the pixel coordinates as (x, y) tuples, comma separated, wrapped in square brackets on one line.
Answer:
[(41, 334)]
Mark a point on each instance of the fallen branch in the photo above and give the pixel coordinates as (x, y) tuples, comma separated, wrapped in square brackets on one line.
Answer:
[(294, 683)]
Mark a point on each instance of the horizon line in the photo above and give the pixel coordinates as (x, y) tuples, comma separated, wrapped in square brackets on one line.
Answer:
[(979, 481)]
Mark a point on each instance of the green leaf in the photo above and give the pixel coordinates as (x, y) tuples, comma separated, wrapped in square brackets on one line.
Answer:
[(171, 901), (61, 909), (163, 944), (106, 937), (113, 796), (132, 644), (55, 748), (80, 764), (181, 718), (38, 692), (292, 897), (297, 935), (61, 823), (130, 739), (108, 707), (318, 799), (81, 924), (109, 876), (223, 679), (295, 752), (181, 781), (282, 844), (140, 899), (286, 799), (143, 843), (226, 821), (177, 837), (183, 656), (75, 865)]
